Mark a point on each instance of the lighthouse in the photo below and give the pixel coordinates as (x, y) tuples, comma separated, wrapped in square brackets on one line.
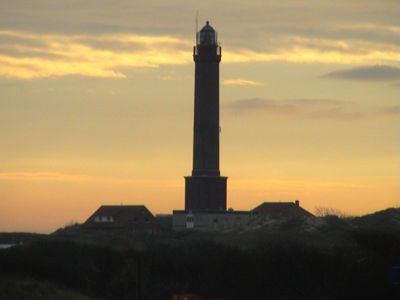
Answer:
[(205, 189)]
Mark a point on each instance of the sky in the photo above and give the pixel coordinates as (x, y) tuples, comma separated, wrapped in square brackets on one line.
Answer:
[(96, 105)]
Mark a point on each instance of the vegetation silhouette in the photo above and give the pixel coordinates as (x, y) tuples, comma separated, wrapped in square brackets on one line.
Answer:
[(326, 258)]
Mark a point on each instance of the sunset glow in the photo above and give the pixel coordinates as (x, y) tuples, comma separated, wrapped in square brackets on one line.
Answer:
[(96, 106)]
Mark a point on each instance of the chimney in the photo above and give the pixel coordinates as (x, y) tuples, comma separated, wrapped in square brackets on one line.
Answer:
[(297, 202)]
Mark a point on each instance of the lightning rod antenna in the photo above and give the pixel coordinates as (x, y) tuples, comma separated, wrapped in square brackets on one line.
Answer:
[(197, 26)]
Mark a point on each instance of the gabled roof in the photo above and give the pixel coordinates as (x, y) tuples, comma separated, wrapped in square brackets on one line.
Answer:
[(121, 215), (278, 210)]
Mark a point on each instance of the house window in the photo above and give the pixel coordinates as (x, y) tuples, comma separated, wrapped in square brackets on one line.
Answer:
[(103, 219), (190, 221)]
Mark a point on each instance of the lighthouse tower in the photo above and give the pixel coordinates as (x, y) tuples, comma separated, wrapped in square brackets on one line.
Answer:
[(205, 190)]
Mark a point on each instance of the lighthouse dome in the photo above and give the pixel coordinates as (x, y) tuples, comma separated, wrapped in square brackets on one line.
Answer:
[(208, 36)]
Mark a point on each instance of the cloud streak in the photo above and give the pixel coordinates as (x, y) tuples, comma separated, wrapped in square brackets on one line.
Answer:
[(52, 176), (63, 55), (31, 55), (390, 110), (368, 73), (45, 176), (308, 109), (241, 82)]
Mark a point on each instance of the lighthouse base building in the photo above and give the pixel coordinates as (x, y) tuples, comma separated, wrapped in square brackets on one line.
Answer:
[(230, 220), (212, 220)]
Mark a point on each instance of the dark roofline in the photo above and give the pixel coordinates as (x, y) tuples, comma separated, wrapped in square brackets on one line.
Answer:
[(227, 212), (279, 202), (296, 203), (280, 205), (122, 205)]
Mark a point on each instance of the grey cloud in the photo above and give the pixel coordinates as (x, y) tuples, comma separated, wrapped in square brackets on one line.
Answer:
[(295, 108), (378, 33), (390, 110), (324, 102), (7, 40), (242, 25), (395, 85), (266, 27), (335, 113), (368, 73), (94, 16), (11, 83), (251, 104)]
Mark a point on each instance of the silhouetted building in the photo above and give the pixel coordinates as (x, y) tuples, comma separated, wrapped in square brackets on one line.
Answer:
[(231, 220), (281, 210), (206, 189), (134, 218)]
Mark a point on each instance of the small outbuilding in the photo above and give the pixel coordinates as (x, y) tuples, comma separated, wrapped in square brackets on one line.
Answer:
[(134, 218)]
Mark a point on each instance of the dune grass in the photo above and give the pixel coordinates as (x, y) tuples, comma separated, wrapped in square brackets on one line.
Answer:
[(29, 289)]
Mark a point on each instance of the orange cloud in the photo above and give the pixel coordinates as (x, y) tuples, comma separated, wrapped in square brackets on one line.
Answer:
[(35, 56), (293, 184), (29, 55), (43, 176), (309, 55), (307, 109), (106, 180)]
